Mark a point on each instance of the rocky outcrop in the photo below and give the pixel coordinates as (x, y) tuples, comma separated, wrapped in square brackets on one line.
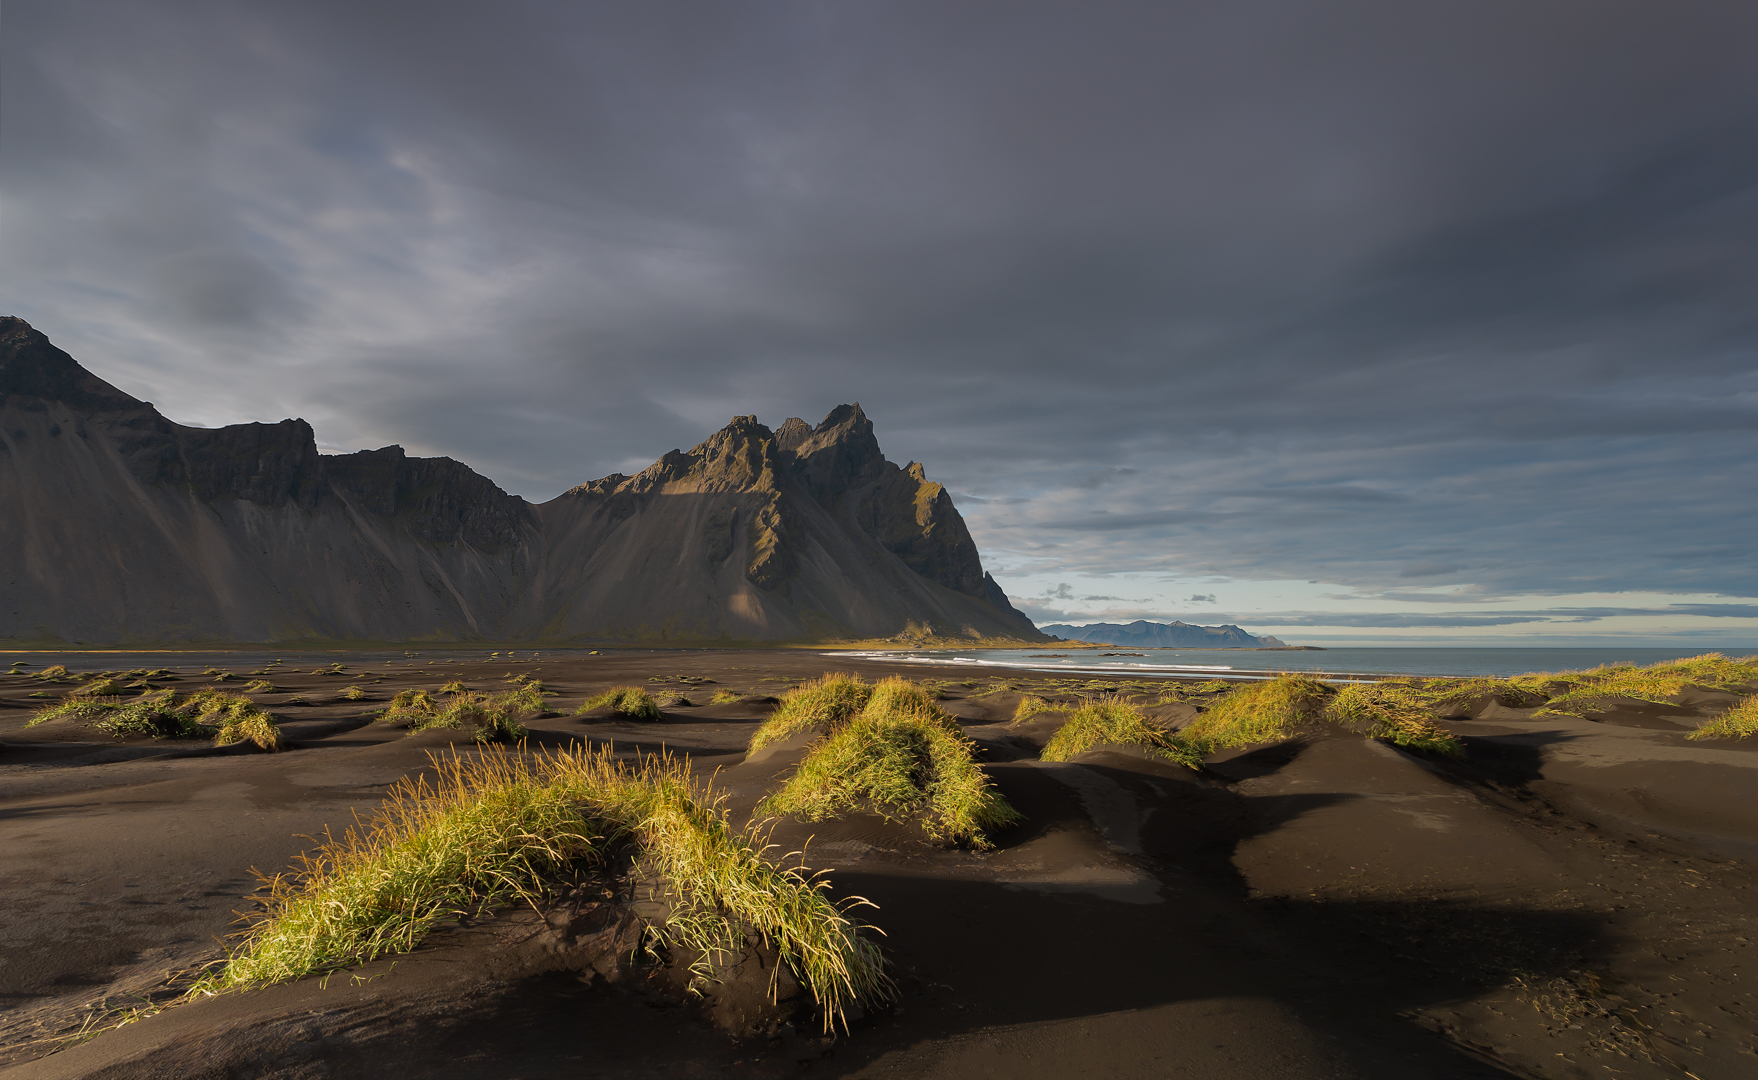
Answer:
[(124, 527), (1142, 634)]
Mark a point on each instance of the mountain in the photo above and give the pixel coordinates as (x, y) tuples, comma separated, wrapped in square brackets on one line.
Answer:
[(121, 527), (1142, 634)]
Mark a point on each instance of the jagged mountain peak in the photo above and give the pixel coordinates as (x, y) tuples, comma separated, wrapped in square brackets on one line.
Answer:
[(31, 366), (127, 526)]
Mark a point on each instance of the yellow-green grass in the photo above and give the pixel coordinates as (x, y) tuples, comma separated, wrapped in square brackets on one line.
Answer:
[(353, 693), (1389, 713), (630, 702), (490, 717), (1031, 705), (724, 697), (1739, 722), (499, 827), (1291, 705), (226, 718), (1113, 721), (1577, 693), (819, 705), (901, 756), (1259, 712), (456, 686), (261, 686)]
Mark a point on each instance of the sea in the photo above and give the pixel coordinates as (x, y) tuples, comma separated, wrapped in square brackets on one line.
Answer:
[(1340, 664)]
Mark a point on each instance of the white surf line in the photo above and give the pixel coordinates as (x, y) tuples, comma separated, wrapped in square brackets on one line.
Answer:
[(1167, 671)]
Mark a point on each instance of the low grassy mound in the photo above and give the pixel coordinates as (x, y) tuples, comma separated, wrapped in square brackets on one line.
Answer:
[(1382, 712), (819, 705), (900, 756), (1739, 722), (1259, 712), (629, 702), (489, 717), (1031, 706), (1113, 721), (226, 718), (497, 828), (724, 697), (1578, 693)]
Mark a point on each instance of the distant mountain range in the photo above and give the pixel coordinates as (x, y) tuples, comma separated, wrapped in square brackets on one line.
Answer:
[(119, 527), (1173, 635)]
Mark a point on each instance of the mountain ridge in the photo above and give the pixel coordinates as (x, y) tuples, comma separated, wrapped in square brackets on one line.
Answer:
[(131, 529)]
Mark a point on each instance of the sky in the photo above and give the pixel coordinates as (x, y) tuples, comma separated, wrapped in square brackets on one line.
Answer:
[(1354, 323)]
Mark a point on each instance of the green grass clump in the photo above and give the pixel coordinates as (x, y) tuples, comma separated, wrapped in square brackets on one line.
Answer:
[(53, 673), (821, 704), (1387, 712), (724, 697), (630, 702), (499, 828), (456, 686), (108, 686), (489, 717), (1032, 705), (353, 693), (1739, 722), (900, 757), (261, 686), (1114, 721), (227, 718), (1258, 712)]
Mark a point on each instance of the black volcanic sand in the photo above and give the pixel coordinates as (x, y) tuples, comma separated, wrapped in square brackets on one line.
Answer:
[(1577, 900)]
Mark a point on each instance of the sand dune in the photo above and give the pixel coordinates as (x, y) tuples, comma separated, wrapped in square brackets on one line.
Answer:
[(1563, 903)]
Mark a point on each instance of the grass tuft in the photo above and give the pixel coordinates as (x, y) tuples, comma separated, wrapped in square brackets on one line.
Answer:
[(489, 717), (498, 828), (630, 702), (821, 704), (228, 718), (1387, 712), (1114, 721), (1267, 711), (724, 697), (353, 693), (901, 756), (1032, 705), (1739, 722)]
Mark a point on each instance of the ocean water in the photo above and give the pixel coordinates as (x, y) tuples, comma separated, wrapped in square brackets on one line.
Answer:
[(1134, 663), (1237, 663)]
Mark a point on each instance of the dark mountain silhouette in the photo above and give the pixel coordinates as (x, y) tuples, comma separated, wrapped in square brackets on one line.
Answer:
[(121, 527), (1172, 635)]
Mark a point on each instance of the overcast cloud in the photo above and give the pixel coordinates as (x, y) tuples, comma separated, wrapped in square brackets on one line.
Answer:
[(1432, 305)]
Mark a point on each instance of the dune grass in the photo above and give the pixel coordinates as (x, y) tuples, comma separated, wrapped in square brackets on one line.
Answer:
[(1739, 722), (490, 717), (353, 693), (1031, 705), (629, 702), (1386, 713), (819, 705), (500, 827), (900, 756), (1259, 712), (724, 697), (1577, 693), (226, 718), (261, 686), (1114, 721)]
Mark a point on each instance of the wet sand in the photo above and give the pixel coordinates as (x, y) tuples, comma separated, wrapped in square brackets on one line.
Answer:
[(1577, 899)]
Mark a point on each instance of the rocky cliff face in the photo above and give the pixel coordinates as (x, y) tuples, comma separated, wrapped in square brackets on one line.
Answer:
[(123, 527)]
